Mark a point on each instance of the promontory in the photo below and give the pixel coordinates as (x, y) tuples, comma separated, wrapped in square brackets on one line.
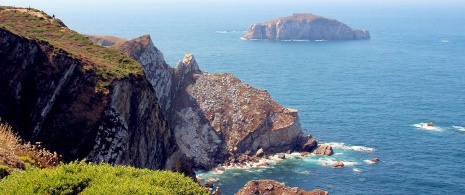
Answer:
[(304, 26)]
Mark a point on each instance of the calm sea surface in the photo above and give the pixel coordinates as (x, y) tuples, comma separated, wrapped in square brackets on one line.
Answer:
[(367, 98)]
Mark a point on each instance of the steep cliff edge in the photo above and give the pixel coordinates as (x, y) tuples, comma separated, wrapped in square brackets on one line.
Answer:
[(216, 117), (304, 27), (79, 99)]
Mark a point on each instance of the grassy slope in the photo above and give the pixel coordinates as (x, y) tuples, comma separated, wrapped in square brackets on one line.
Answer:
[(83, 178), (107, 63)]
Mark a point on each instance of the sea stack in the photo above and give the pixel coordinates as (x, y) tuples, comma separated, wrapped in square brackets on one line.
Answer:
[(305, 26)]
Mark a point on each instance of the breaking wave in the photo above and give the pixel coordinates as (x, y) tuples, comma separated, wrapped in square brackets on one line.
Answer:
[(341, 145), (460, 128), (424, 126)]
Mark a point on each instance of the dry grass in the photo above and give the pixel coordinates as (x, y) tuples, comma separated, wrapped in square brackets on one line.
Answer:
[(18, 156)]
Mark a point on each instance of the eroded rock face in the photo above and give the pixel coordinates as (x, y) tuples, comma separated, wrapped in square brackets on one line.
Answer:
[(133, 130), (215, 116), (304, 27), (158, 72), (262, 187), (47, 97)]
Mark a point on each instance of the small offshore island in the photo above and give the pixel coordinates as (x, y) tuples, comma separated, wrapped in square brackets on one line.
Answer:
[(305, 26)]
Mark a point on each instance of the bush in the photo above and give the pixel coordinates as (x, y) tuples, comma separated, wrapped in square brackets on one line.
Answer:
[(84, 178)]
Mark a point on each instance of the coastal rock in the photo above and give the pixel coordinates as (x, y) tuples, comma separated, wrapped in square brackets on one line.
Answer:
[(339, 164), (375, 160), (304, 27), (323, 149), (216, 116), (262, 187), (281, 156), (259, 153)]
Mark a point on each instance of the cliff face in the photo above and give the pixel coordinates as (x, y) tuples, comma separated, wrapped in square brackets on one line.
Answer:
[(215, 116), (158, 72), (50, 95), (304, 27)]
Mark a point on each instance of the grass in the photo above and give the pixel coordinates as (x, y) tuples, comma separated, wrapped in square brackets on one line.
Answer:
[(15, 155), (107, 63), (85, 178)]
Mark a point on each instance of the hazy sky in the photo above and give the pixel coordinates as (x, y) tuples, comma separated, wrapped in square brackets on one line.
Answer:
[(40, 3)]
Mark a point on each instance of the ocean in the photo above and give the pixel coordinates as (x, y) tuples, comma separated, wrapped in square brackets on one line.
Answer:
[(366, 98)]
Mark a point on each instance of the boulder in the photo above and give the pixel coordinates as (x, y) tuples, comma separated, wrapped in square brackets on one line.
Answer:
[(338, 164), (262, 187), (282, 156), (259, 153), (323, 149), (375, 160)]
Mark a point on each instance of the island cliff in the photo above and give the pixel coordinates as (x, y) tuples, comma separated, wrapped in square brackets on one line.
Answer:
[(304, 27)]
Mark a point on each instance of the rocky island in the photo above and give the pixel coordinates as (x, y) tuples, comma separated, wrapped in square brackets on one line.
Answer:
[(304, 27), (124, 105)]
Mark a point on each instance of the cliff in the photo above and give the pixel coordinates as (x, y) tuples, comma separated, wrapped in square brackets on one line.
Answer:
[(216, 117), (77, 98), (304, 27)]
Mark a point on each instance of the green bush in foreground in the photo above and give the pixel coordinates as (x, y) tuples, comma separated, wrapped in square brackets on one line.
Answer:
[(84, 178)]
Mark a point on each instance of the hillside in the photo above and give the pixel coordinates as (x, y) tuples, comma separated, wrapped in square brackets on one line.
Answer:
[(36, 25), (79, 99)]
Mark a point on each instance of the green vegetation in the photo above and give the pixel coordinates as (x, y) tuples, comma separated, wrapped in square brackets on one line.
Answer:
[(84, 178), (109, 64), (18, 156)]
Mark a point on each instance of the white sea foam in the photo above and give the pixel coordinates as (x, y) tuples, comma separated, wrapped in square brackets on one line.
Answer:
[(424, 126), (357, 170), (445, 41), (460, 128), (369, 161), (295, 40), (341, 145), (225, 31), (321, 40)]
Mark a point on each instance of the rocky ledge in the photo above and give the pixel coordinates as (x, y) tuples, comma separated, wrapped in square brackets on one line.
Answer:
[(304, 27), (273, 187)]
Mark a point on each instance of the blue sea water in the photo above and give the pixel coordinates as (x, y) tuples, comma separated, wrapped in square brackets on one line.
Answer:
[(372, 93)]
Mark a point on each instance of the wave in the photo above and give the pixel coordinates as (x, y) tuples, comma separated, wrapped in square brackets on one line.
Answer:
[(357, 170), (424, 126), (445, 41), (343, 146), (460, 128), (295, 40), (225, 31), (321, 40)]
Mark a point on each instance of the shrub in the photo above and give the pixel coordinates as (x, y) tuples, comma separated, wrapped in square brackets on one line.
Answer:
[(85, 178), (19, 156)]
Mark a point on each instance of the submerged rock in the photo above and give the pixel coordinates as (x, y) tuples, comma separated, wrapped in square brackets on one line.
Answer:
[(304, 27)]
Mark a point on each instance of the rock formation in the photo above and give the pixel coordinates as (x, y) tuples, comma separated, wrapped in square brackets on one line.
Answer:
[(262, 187), (56, 95), (304, 27), (216, 117)]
